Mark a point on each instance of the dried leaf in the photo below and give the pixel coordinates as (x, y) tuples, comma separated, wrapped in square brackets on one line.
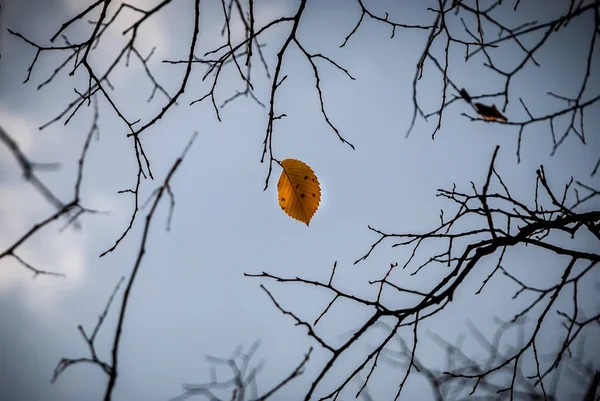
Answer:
[(298, 190), (490, 113)]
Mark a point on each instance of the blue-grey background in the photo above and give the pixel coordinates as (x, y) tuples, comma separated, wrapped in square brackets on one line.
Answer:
[(191, 298)]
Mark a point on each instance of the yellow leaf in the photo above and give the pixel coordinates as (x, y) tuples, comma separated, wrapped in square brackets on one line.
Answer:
[(298, 190)]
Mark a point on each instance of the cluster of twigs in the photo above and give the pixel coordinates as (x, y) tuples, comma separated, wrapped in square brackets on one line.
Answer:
[(111, 368), (70, 210), (241, 386), (450, 383), (472, 39)]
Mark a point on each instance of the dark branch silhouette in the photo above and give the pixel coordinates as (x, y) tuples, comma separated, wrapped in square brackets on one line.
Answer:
[(111, 368), (242, 385), (506, 223)]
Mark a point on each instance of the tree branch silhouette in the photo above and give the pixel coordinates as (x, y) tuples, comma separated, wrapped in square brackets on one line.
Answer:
[(499, 214)]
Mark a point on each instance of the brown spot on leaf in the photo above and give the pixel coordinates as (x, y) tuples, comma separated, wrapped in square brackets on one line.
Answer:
[(305, 177), (283, 199), (302, 195)]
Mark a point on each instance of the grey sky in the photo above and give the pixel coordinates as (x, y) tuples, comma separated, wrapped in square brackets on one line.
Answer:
[(191, 297)]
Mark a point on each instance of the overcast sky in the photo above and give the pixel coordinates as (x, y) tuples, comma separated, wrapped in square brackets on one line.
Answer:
[(191, 298)]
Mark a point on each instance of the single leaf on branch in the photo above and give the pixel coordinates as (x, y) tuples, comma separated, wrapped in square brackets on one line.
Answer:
[(490, 113), (298, 190)]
